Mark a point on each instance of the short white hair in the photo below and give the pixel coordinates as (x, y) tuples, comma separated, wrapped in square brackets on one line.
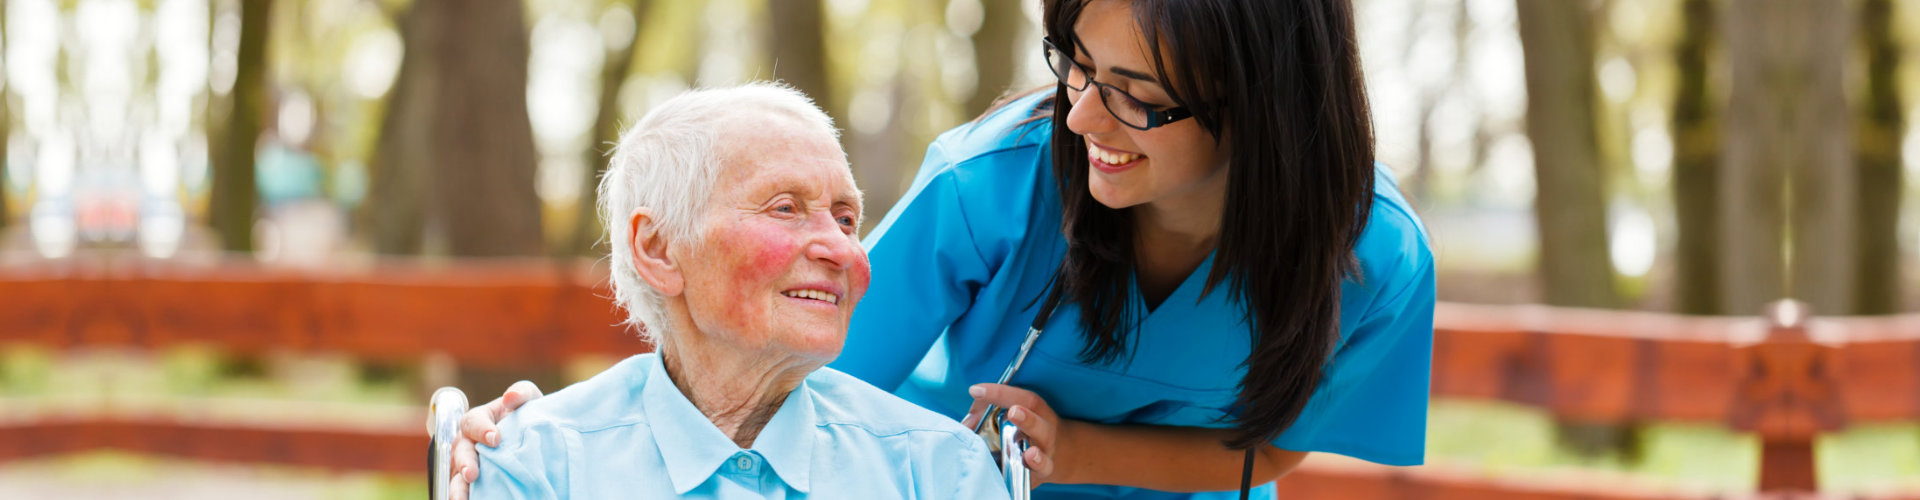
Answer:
[(667, 162)]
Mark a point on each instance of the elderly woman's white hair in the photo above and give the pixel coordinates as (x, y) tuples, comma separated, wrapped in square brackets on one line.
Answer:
[(668, 161)]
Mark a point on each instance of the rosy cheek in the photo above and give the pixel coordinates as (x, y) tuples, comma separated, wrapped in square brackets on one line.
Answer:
[(859, 276), (766, 252)]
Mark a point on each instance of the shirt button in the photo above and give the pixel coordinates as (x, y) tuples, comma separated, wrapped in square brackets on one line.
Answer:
[(745, 463)]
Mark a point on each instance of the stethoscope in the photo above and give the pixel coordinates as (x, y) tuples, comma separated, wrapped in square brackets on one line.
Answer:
[(1003, 438)]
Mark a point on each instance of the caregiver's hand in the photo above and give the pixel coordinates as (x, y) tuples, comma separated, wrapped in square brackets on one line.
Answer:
[(478, 425), (1043, 429)]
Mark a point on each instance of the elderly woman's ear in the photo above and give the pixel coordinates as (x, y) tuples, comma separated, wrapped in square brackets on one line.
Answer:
[(650, 257)]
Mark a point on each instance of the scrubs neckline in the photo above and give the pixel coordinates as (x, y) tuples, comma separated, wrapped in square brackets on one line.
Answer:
[(1184, 291)]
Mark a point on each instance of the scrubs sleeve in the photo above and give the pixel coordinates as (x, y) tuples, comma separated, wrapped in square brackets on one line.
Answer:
[(1372, 403), (529, 464), (926, 272)]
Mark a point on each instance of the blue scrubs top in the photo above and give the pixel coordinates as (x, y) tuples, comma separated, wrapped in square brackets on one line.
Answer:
[(961, 264)]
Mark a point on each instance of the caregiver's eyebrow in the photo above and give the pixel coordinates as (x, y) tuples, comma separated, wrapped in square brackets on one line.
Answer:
[(1133, 74), (1128, 73)]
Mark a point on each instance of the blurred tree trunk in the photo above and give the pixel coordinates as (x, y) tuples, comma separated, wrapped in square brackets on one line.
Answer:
[(6, 120), (1824, 191), (395, 212), (606, 132), (996, 57), (234, 189), (1696, 164), (1787, 188), (1557, 38), (797, 38), (456, 158), (1880, 128)]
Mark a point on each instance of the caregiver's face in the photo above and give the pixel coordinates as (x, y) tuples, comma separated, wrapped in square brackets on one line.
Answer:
[(1178, 161), (777, 265)]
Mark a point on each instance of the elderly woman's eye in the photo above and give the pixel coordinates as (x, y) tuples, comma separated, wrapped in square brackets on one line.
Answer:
[(846, 220), (786, 208)]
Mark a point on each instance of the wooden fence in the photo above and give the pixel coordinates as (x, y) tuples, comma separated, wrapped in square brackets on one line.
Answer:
[(1786, 376)]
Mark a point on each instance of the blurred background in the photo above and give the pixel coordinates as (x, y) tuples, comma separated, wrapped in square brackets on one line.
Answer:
[(242, 240)]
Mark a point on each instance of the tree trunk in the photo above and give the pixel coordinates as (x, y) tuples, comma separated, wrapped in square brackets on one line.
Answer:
[(234, 192), (995, 52), (1696, 165), (1878, 145), (606, 131), (797, 43), (1786, 189), (6, 119), (456, 156), (395, 213), (1557, 38)]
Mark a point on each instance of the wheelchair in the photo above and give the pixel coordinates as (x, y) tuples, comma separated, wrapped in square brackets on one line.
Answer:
[(448, 405)]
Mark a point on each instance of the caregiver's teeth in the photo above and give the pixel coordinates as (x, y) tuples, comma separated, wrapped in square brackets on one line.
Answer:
[(813, 294), (1111, 157)]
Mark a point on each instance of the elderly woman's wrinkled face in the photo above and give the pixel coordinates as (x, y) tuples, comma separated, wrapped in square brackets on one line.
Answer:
[(778, 265)]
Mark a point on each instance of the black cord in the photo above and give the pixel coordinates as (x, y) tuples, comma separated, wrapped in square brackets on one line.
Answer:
[(1246, 475)]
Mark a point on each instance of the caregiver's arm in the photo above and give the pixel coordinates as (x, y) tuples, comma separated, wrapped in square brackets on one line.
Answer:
[(1162, 458), (1142, 456)]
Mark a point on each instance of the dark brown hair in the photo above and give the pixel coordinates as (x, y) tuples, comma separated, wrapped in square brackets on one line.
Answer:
[(1280, 80)]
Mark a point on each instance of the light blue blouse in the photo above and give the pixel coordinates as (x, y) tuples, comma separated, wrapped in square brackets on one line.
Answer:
[(629, 433), (961, 263)]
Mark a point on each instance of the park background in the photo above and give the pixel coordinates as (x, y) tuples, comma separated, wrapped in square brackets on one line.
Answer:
[(1696, 157)]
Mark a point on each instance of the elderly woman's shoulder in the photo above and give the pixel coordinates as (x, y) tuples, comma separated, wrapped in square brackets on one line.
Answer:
[(595, 402), (844, 400)]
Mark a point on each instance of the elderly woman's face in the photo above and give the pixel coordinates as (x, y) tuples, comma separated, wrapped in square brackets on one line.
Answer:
[(778, 265)]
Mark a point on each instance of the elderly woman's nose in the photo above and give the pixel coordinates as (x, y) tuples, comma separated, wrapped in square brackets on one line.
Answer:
[(829, 243)]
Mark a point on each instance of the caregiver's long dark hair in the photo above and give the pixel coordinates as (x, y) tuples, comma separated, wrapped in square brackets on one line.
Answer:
[(1279, 80)]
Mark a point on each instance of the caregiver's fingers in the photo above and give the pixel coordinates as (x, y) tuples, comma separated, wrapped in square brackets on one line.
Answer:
[(480, 423), (1038, 431), (458, 486), (518, 394), (463, 466), (973, 413), (1039, 465), (1007, 396)]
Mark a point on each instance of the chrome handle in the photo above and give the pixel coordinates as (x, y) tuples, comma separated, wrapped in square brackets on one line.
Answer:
[(443, 427), (1013, 464)]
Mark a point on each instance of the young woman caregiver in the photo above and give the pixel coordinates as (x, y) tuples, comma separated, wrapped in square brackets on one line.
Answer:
[(1235, 271)]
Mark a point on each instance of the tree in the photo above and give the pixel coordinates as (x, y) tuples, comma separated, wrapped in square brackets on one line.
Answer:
[(995, 52), (1785, 182), (797, 41), (456, 159), (235, 193), (1557, 38), (1696, 164), (6, 120), (606, 131), (1880, 128)]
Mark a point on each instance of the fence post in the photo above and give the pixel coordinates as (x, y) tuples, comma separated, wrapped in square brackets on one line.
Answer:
[(1787, 395)]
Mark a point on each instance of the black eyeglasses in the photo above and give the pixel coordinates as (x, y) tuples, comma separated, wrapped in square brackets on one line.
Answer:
[(1123, 107)]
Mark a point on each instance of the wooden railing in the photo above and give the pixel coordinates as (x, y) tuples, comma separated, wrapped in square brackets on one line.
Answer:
[(1785, 376)]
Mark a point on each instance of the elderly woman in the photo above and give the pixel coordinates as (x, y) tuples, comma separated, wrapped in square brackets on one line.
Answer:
[(734, 223)]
